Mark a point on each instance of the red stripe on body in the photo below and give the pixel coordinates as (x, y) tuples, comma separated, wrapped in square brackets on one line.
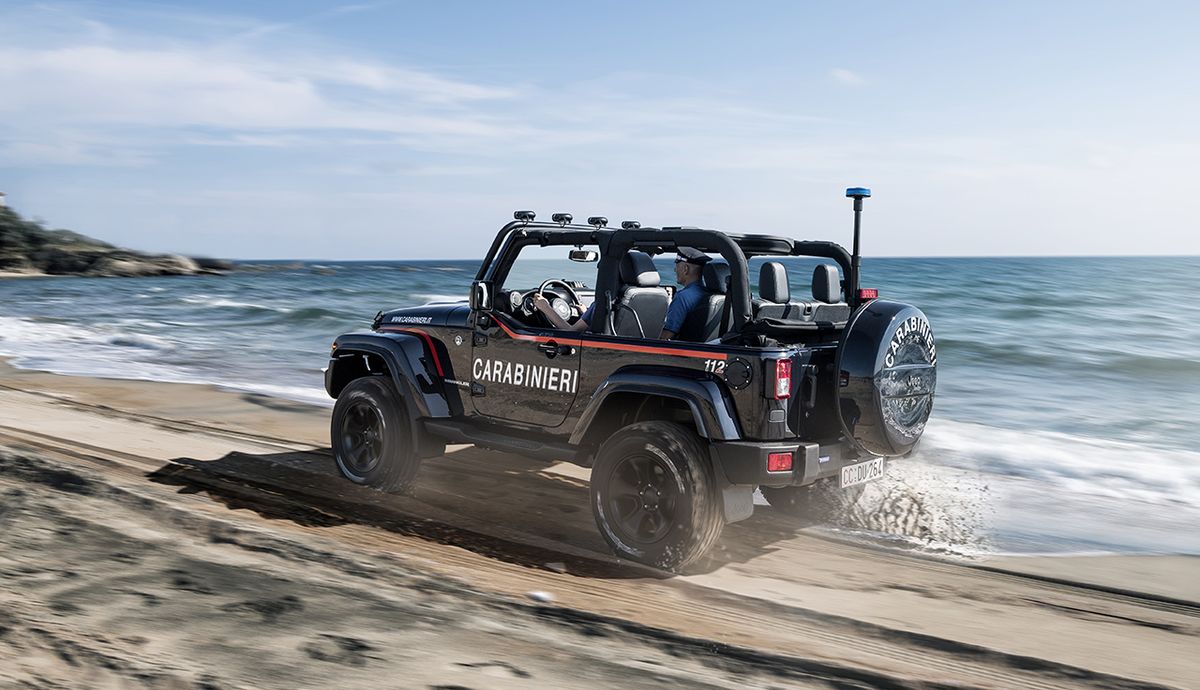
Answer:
[(601, 345), (437, 361)]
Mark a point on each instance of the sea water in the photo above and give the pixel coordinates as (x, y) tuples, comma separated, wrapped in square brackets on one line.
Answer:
[(1065, 418)]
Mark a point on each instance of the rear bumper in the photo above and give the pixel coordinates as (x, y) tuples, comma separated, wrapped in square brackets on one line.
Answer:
[(745, 462)]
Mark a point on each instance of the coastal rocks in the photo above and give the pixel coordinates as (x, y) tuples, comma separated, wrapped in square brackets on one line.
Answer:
[(27, 248), (207, 265), (116, 263), (130, 265)]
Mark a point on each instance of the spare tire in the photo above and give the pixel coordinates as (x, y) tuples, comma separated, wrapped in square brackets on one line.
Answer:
[(887, 366)]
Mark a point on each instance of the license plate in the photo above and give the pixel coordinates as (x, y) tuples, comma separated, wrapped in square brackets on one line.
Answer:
[(862, 472)]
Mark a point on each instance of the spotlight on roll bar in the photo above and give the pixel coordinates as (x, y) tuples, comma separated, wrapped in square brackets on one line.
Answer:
[(561, 218), (630, 225), (524, 216), (598, 221)]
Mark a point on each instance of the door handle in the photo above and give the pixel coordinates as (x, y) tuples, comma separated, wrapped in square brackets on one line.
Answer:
[(552, 349)]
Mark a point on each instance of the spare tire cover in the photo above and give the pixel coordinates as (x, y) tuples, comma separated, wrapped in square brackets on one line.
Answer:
[(887, 366)]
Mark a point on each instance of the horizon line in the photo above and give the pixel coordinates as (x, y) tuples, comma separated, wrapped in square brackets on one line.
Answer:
[(927, 256)]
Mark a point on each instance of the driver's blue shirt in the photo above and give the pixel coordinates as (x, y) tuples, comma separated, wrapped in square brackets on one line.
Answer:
[(684, 302)]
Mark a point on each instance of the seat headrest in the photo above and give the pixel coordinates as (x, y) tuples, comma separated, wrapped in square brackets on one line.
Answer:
[(715, 277), (638, 269), (827, 284), (773, 283)]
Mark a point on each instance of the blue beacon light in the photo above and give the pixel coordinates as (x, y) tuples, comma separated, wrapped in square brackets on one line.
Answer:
[(858, 192)]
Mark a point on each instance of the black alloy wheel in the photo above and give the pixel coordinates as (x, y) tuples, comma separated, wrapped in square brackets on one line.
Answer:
[(372, 435), (654, 496), (642, 498), (361, 438)]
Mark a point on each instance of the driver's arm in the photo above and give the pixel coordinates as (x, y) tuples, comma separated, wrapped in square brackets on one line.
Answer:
[(543, 305)]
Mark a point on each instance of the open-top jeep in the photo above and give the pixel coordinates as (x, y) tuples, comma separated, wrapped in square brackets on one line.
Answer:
[(755, 391)]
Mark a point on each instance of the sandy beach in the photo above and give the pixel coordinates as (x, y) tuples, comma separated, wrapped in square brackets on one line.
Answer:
[(171, 535)]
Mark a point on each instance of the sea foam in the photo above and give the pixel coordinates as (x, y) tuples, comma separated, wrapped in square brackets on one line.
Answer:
[(1075, 463)]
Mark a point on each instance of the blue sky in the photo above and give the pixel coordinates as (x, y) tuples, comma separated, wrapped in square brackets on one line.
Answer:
[(413, 129)]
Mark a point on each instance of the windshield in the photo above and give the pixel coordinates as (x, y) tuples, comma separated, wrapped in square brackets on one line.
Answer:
[(536, 263)]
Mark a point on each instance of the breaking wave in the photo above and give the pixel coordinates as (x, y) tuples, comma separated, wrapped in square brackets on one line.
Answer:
[(1076, 464)]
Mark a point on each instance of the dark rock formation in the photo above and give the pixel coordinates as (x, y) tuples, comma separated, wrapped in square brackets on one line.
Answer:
[(27, 247)]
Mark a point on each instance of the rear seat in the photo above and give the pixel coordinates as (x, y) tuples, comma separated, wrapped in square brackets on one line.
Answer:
[(827, 291), (775, 302), (774, 295)]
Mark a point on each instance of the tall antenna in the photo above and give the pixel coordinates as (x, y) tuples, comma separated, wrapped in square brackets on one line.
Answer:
[(858, 194)]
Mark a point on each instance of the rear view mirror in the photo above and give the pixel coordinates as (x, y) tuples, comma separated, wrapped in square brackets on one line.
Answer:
[(585, 255)]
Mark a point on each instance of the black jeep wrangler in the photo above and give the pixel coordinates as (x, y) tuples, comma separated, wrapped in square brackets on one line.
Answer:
[(761, 391)]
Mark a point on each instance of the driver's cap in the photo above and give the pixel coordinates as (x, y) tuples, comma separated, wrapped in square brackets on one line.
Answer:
[(692, 256)]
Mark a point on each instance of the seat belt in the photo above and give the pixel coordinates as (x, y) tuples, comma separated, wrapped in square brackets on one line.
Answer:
[(612, 323)]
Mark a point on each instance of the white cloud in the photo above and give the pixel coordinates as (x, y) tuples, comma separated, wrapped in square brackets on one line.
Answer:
[(190, 86), (197, 86), (844, 76)]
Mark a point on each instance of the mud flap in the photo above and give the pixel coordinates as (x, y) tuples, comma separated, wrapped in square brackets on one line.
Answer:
[(737, 501)]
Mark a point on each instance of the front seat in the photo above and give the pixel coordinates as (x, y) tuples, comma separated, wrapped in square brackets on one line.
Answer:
[(704, 322), (641, 305)]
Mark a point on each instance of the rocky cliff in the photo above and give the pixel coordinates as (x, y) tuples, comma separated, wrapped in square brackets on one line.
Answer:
[(27, 247)]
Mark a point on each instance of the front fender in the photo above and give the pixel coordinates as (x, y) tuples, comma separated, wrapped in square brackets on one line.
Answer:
[(705, 398), (405, 356)]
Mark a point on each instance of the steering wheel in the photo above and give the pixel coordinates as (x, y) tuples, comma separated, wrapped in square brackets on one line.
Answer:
[(563, 308)]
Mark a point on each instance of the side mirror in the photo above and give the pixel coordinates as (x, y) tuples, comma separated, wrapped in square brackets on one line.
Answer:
[(585, 255), (481, 296)]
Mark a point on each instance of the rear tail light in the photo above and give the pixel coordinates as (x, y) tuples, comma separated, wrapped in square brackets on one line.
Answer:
[(779, 462), (868, 293), (783, 379)]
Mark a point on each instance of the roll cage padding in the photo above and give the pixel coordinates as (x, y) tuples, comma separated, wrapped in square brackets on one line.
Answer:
[(403, 354), (705, 398), (613, 244), (495, 248)]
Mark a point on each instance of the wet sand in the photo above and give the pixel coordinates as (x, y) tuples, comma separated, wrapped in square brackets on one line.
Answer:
[(157, 534)]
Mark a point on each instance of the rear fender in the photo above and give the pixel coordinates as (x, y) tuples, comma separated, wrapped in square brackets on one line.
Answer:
[(706, 400), (405, 356)]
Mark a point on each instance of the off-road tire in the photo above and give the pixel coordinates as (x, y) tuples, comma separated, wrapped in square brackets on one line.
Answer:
[(394, 462), (695, 519), (821, 501)]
